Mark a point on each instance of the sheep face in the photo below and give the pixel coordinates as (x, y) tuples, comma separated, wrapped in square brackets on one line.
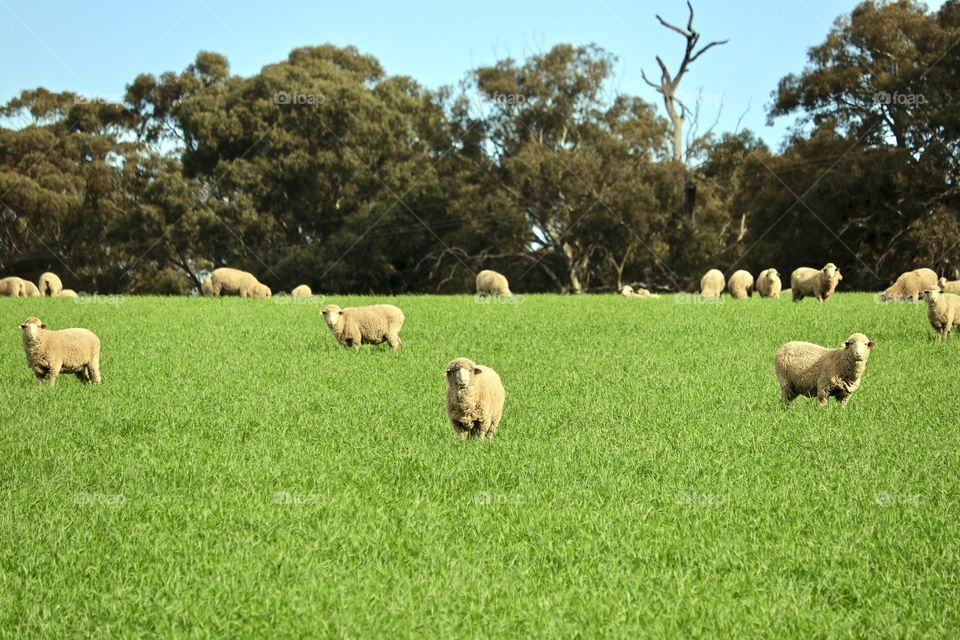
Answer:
[(772, 275), (832, 273), (32, 327), (626, 290), (942, 283), (460, 372), (331, 315), (859, 345), (931, 295)]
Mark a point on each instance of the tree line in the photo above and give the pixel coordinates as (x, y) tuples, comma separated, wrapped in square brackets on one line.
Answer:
[(323, 169)]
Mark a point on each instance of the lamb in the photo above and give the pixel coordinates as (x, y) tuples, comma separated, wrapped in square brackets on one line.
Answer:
[(491, 283), (301, 291), (818, 283), (373, 324), (947, 286), (943, 311), (910, 286), (740, 285), (50, 353), (475, 398), (11, 287), (50, 284), (67, 293), (235, 282), (712, 284), (806, 369), (768, 283)]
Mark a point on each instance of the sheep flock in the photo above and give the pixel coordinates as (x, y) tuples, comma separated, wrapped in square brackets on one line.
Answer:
[(475, 395)]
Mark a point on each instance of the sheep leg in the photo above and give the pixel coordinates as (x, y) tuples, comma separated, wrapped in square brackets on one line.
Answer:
[(93, 371), (823, 395), (54, 372), (843, 400), (787, 395), (395, 343)]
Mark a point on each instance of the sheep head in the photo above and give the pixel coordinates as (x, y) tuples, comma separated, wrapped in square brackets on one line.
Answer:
[(858, 346), (32, 327), (461, 371), (931, 295)]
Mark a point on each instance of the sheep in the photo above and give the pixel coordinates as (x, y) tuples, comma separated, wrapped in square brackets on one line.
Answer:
[(768, 283), (628, 292), (475, 398), (943, 311), (67, 293), (807, 369), (235, 282), (947, 286), (50, 353), (740, 285), (11, 287), (818, 283), (910, 286), (373, 324), (30, 290), (301, 291), (493, 284), (50, 284), (712, 284)]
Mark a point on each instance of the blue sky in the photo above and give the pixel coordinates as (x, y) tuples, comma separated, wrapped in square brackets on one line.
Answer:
[(95, 48)]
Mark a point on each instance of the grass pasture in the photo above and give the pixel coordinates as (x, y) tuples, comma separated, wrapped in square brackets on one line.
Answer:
[(238, 473)]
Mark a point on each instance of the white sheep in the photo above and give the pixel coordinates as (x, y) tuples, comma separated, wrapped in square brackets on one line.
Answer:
[(12, 287), (493, 283), (628, 292), (768, 283), (475, 398), (817, 283), (236, 282), (943, 311), (67, 293), (712, 284), (372, 324), (301, 291), (30, 290), (807, 369), (949, 286), (50, 353), (910, 285), (740, 285), (50, 284)]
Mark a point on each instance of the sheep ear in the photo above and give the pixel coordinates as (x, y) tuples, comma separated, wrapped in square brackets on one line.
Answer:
[(477, 371), (871, 344), (846, 344), (23, 326), (43, 325)]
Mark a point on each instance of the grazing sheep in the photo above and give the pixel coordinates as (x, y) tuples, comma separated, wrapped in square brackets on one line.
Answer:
[(910, 286), (302, 291), (818, 283), (740, 285), (628, 292), (372, 324), (50, 353), (50, 284), (67, 293), (475, 399), (11, 287), (30, 290), (807, 369), (235, 282), (948, 286), (712, 284), (768, 283), (943, 311), (491, 283)]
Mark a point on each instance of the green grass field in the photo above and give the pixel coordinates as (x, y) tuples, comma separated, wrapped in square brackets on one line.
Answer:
[(238, 473)]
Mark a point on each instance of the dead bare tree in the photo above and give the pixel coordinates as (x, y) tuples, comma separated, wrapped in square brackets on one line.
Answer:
[(667, 87)]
